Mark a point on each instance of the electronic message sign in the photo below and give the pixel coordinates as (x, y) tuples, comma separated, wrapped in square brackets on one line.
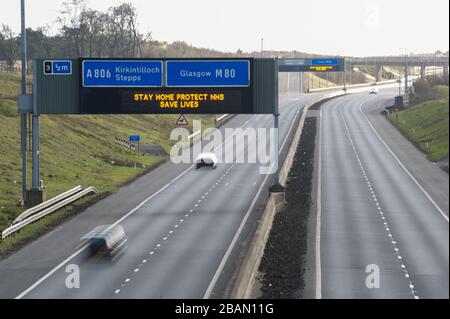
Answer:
[(189, 86), (160, 86)]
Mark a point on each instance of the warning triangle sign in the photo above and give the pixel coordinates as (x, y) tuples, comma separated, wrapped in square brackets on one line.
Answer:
[(182, 120)]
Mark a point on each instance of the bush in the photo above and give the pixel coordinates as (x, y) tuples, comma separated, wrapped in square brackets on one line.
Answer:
[(437, 80), (422, 87)]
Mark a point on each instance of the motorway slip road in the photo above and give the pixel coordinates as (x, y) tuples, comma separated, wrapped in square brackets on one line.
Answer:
[(375, 214)]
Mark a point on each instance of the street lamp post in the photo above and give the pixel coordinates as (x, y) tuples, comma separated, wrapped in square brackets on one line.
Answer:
[(23, 91), (262, 47)]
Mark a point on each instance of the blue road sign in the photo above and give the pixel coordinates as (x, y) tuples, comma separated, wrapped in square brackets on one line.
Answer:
[(122, 73), (135, 138), (57, 67), (208, 73), (333, 61)]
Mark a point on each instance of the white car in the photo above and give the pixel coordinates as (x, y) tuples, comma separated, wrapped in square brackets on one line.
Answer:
[(206, 159), (373, 91)]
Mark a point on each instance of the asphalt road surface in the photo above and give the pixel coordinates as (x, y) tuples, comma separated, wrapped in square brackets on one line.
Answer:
[(180, 224), (375, 214)]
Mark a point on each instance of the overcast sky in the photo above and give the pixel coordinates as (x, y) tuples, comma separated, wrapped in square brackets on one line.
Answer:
[(345, 27)]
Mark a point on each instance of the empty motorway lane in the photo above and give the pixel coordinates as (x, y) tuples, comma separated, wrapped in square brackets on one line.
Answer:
[(180, 224), (374, 214)]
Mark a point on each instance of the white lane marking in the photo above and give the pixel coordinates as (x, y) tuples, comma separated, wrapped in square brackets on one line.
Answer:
[(291, 127), (319, 213), (397, 251), (233, 242), (117, 291), (165, 238), (127, 280), (403, 166), (52, 271), (241, 226), (136, 270)]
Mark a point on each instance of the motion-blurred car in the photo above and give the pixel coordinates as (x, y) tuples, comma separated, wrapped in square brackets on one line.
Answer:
[(206, 159), (373, 91), (105, 241)]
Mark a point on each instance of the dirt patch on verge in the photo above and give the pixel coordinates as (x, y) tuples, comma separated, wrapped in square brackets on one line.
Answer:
[(283, 264)]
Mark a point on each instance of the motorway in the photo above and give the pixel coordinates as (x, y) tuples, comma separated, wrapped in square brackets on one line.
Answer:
[(181, 223), (374, 213), (184, 226)]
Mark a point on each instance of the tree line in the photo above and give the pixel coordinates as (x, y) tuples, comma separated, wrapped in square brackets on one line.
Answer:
[(84, 32)]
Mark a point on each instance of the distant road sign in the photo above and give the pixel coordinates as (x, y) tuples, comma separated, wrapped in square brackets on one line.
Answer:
[(208, 73), (182, 120), (311, 65), (57, 67), (135, 138), (326, 62), (122, 73), (294, 61)]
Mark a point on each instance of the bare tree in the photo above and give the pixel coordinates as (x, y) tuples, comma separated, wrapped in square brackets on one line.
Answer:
[(71, 24), (121, 33), (9, 50), (92, 28)]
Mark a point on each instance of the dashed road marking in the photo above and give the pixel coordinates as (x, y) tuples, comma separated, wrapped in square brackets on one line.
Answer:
[(375, 198)]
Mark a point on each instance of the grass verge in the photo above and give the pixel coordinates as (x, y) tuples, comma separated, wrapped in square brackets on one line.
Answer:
[(75, 150), (427, 126)]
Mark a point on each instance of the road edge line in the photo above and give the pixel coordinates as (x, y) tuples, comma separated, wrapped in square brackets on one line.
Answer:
[(224, 260), (319, 213), (65, 261), (258, 242), (403, 166)]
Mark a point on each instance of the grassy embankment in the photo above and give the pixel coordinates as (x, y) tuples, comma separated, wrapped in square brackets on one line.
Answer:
[(426, 123), (75, 150)]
